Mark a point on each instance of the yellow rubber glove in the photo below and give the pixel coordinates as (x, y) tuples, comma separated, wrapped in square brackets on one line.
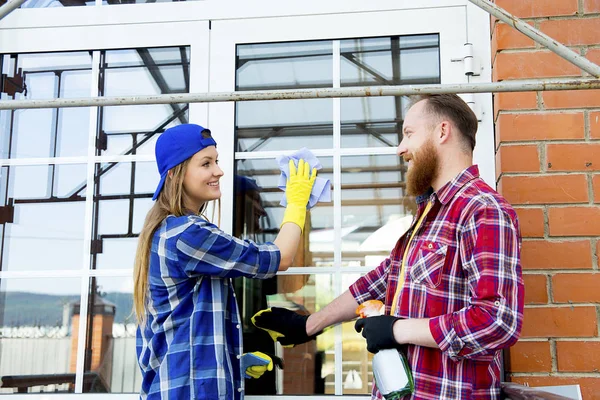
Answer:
[(298, 188), (255, 364)]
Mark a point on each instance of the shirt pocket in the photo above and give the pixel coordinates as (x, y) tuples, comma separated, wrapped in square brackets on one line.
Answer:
[(429, 264)]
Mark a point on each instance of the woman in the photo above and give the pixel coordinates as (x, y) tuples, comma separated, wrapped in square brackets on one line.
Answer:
[(189, 339)]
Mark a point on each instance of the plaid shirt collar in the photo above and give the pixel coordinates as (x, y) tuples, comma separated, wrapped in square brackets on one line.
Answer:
[(448, 190)]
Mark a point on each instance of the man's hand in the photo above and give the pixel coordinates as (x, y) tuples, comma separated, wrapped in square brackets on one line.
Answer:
[(283, 325), (379, 332)]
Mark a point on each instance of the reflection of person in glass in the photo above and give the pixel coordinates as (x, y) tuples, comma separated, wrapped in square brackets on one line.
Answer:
[(189, 339), (452, 286)]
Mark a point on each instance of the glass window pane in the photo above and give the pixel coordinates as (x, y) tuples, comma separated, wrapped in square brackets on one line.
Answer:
[(375, 208), (111, 334), (134, 129), (307, 366), (45, 226), (46, 132), (258, 212), (38, 334), (396, 60), (123, 198), (284, 124), (284, 65)]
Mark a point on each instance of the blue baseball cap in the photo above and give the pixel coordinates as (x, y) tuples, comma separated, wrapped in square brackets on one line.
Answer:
[(176, 145)]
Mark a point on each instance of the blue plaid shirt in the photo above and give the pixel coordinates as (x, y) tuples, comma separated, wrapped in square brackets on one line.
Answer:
[(191, 344)]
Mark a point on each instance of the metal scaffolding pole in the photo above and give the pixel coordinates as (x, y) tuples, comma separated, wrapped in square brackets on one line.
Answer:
[(9, 7), (363, 91), (539, 37)]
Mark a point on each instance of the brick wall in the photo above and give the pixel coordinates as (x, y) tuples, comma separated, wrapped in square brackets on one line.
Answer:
[(548, 167)]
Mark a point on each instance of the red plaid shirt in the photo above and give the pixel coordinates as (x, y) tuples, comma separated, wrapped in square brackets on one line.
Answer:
[(463, 271)]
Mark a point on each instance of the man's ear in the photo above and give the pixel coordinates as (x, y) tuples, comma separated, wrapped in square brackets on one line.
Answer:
[(170, 174), (445, 131)]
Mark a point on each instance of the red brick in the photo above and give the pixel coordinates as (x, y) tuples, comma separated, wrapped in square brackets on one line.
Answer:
[(574, 221), (573, 157), (535, 64), (530, 357), (521, 158), (593, 55), (536, 289), (572, 31), (596, 185), (549, 322), (542, 254), (508, 37), (571, 98), (545, 189), (576, 288), (591, 6), (531, 221), (514, 101), (538, 8), (540, 126), (578, 356), (595, 125), (590, 387)]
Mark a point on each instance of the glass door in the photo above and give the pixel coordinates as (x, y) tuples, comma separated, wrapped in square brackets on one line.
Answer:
[(75, 186), (355, 140)]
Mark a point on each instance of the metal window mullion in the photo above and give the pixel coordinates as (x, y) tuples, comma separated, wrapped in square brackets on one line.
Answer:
[(87, 235), (337, 212)]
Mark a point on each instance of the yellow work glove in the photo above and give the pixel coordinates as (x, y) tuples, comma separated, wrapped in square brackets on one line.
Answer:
[(298, 188), (255, 364)]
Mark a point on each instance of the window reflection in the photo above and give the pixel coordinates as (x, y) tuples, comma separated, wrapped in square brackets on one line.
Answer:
[(110, 337), (57, 3), (307, 366), (259, 213), (42, 212), (38, 334), (134, 129), (357, 372), (285, 124), (123, 197), (46, 132), (396, 60), (375, 208)]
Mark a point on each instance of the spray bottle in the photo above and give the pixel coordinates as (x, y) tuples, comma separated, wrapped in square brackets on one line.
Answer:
[(390, 366)]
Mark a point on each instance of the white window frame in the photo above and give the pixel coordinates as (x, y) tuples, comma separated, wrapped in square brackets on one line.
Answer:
[(187, 24)]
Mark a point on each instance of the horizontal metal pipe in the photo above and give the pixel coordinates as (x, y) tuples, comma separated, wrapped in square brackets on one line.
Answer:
[(539, 37), (9, 7), (323, 93)]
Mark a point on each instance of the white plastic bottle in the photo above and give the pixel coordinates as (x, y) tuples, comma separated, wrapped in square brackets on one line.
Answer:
[(390, 366)]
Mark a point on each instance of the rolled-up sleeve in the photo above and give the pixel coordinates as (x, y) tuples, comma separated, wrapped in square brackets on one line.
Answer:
[(203, 249), (490, 250), (373, 285)]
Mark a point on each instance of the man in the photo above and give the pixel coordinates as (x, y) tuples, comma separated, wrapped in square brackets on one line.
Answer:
[(452, 286)]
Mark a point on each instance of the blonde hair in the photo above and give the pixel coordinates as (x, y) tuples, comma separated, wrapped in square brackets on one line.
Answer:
[(170, 201)]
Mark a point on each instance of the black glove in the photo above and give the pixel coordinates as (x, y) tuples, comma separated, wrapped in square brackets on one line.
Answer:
[(378, 331), (285, 326)]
